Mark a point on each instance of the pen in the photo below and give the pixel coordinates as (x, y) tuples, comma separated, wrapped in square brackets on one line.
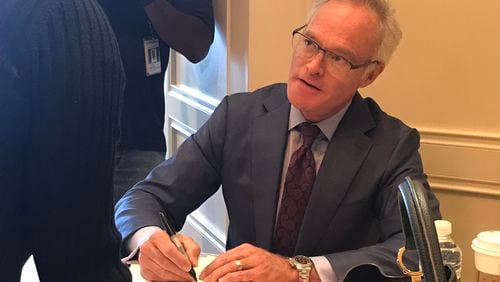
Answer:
[(173, 236)]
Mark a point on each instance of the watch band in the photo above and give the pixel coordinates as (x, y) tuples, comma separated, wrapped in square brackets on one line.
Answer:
[(303, 277), (303, 265)]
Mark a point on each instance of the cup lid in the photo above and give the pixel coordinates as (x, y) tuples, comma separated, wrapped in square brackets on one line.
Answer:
[(487, 242)]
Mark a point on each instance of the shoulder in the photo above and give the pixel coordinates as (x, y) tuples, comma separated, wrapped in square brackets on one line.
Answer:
[(274, 93), (246, 105), (387, 126)]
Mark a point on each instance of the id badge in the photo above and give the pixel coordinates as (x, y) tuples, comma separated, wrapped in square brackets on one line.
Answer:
[(152, 56)]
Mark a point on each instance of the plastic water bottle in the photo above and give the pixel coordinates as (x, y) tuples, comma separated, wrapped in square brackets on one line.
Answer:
[(450, 251)]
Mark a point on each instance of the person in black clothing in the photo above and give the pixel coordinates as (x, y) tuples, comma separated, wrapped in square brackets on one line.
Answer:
[(60, 84), (151, 27)]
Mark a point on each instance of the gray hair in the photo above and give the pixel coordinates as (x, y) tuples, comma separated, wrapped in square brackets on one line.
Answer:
[(390, 31)]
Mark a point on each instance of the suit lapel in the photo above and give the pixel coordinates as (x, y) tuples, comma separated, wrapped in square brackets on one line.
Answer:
[(345, 154), (269, 142)]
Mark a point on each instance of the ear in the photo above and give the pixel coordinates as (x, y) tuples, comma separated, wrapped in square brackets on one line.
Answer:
[(371, 74)]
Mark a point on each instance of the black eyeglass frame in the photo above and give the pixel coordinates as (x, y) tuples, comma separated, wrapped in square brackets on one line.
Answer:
[(352, 66)]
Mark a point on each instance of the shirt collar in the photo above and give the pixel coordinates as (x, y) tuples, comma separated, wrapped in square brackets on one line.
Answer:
[(327, 126)]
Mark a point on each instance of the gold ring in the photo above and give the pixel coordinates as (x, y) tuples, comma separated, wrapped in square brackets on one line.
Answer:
[(239, 265)]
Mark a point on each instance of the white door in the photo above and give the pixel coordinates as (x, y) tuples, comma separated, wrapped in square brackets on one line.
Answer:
[(193, 92)]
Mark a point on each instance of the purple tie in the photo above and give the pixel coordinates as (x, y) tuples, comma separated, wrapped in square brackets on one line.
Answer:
[(298, 185)]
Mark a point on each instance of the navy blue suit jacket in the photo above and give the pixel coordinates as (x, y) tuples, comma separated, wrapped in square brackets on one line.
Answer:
[(353, 216)]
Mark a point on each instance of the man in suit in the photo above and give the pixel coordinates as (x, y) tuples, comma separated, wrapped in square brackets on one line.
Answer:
[(307, 168)]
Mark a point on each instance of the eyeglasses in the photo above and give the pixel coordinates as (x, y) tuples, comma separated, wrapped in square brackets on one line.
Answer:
[(308, 48)]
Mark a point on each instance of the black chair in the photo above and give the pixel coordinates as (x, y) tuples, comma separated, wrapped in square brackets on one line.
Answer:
[(420, 233)]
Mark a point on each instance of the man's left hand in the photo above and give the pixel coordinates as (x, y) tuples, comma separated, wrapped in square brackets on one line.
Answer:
[(249, 263)]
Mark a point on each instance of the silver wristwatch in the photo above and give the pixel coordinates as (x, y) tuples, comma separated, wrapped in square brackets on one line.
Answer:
[(303, 265)]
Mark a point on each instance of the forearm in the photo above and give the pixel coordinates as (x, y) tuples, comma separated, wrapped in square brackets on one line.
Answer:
[(188, 34), (382, 254)]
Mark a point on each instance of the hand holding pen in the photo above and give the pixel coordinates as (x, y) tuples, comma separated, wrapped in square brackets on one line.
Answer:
[(161, 260), (175, 240)]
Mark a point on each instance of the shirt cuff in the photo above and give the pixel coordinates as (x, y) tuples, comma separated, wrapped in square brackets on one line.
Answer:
[(136, 240), (324, 269)]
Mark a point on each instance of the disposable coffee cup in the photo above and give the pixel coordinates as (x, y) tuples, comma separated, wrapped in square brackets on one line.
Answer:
[(486, 248)]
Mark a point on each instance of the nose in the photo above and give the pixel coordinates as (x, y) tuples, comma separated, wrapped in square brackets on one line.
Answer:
[(315, 66)]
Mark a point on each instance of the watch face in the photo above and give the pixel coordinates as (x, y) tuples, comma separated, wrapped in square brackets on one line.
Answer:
[(302, 259)]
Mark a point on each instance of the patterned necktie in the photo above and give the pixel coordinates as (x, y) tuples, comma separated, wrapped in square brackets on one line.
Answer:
[(297, 189)]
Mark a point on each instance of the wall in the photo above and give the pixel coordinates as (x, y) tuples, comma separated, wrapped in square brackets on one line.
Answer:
[(443, 82), (270, 39)]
